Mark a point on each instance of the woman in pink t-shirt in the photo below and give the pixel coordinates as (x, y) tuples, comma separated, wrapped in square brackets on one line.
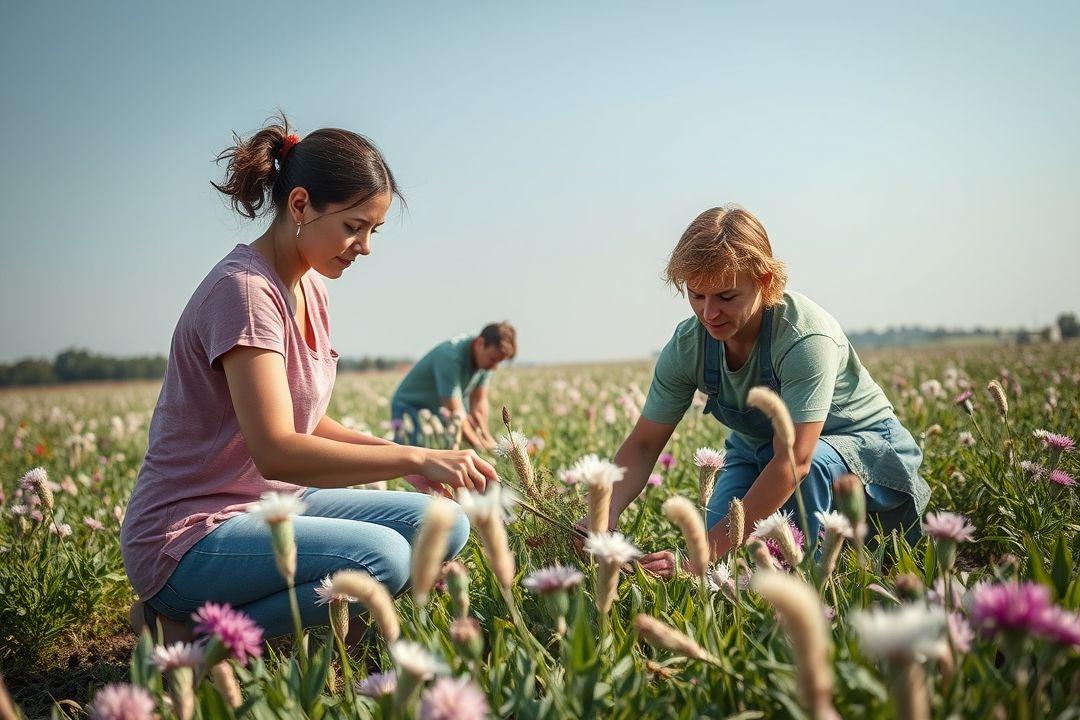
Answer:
[(242, 408)]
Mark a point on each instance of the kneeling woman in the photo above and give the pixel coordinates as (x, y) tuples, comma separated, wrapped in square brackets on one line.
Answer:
[(747, 331), (242, 410)]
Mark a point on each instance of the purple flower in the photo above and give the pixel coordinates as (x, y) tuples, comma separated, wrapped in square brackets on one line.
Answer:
[(667, 461), (948, 526), (120, 701), (236, 631), (1009, 606), (774, 547), (1060, 477), (453, 699), (378, 684), (1053, 441)]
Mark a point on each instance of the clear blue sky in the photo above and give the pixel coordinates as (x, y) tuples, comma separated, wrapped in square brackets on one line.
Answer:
[(913, 163)]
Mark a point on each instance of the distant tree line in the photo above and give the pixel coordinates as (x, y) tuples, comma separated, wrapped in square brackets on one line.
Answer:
[(78, 365), (1064, 328)]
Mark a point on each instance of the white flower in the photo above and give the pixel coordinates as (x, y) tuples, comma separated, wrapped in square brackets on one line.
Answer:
[(508, 444), (177, 655), (772, 525), (835, 523), (707, 457), (63, 530), (326, 594), (479, 507), (277, 507), (612, 547), (412, 659), (378, 684), (966, 439), (552, 578), (914, 631), (593, 471)]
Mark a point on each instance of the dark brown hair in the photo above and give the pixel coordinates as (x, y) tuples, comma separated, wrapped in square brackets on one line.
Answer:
[(333, 165), (503, 335)]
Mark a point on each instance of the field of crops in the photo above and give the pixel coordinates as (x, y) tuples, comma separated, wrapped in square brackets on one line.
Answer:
[(966, 624)]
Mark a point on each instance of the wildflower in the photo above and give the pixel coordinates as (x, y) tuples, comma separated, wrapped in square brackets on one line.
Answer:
[(277, 510), (466, 636), (457, 585), (851, 499), (760, 552), (231, 632), (1009, 607), (414, 665), (515, 447), (960, 632), (1053, 441), (374, 596), (1061, 626), (339, 606), (37, 482), (486, 512), (682, 512), (1033, 469), (963, 400), (804, 620), (778, 527), (655, 480), (92, 523), (913, 631), (659, 634), (721, 578), (836, 528), (667, 461), (552, 583), (120, 701), (709, 463), (611, 550), (377, 684), (1060, 477), (177, 655), (948, 526), (998, 394), (736, 523), (431, 546), (62, 530), (453, 699), (599, 475), (179, 662)]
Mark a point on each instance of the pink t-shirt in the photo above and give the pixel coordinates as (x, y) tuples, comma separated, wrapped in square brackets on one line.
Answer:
[(198, 471)]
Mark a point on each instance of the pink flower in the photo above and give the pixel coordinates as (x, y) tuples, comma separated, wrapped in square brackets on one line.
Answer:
[(120, 701), (553, 578), (960, 632), (62, 530), (92, 523), (655, 480), (948, 526), (964, 397), (667, 461), (453, 699), (708, 458), (1062, 626), (1061, 477), (236, 631), (1009, 606), (378, 684), (1053, 441)]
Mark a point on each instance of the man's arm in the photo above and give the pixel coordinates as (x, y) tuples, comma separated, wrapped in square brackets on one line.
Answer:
[(479, 413), (468, 432)]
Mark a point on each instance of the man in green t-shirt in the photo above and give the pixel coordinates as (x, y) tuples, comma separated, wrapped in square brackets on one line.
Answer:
[(454, 377)]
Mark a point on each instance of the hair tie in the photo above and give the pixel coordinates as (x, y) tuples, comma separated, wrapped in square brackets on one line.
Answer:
[(287, 144)]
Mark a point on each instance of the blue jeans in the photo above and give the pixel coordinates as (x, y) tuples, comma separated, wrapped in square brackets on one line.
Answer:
[(891, 509), (369, 530)]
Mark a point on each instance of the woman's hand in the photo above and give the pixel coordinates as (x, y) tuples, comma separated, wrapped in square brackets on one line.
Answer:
[(662, 564), (455, 469)]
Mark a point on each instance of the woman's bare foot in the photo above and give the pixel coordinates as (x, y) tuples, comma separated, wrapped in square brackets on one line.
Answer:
[(171, 630)]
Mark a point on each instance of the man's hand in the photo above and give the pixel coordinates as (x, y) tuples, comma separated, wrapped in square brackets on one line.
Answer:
[(663, 564)]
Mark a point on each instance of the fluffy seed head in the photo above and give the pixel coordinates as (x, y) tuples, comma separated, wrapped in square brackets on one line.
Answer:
[(682, 512), (736, 523), (37, 482), (768, 402), (997, 393), (661, 635), (431, 546), (373, 595)]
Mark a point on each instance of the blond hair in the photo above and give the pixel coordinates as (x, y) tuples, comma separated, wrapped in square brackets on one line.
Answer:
[(720, 243)]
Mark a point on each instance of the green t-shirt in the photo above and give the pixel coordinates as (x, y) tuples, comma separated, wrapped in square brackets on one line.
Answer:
[(820, 375), (446, 372)]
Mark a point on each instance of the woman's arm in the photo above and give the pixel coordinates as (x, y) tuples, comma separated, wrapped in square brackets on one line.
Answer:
[(331, 429), (259, 388)]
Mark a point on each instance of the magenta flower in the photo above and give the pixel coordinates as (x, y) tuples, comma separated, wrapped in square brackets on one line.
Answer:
[(1062, 626), (667, 461), (1060, 477), (120, 701), (1010, 606), (453, 699), (235, 630), (774, 547), (1053, 441), (948, 526), (963, 400)]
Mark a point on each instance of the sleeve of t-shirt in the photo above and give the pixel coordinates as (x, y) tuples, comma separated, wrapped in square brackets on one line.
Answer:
[(673, 383), (808, 378), (239, 311), (448, 374)]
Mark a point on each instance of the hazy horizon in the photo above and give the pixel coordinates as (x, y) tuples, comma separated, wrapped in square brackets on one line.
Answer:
[(914, 165)]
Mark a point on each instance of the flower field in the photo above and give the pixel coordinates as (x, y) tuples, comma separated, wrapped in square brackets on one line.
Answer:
[(978, 619)]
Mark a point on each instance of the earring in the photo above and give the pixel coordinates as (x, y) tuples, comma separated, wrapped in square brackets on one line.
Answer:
[(298, 225)]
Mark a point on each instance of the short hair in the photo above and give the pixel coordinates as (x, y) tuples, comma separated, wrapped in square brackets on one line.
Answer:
[(503, 335), (720, 243)]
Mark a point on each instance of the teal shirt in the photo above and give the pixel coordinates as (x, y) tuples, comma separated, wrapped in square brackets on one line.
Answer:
[(821, 377), (446, 372)]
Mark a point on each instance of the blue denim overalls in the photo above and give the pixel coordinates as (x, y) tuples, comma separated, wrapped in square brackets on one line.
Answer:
[(885, 456)]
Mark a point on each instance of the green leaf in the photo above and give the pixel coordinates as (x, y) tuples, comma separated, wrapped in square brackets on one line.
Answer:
[(1062, 568)]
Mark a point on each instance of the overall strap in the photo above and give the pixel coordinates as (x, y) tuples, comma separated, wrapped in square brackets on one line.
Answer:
[(712, 364), (766, 373)]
